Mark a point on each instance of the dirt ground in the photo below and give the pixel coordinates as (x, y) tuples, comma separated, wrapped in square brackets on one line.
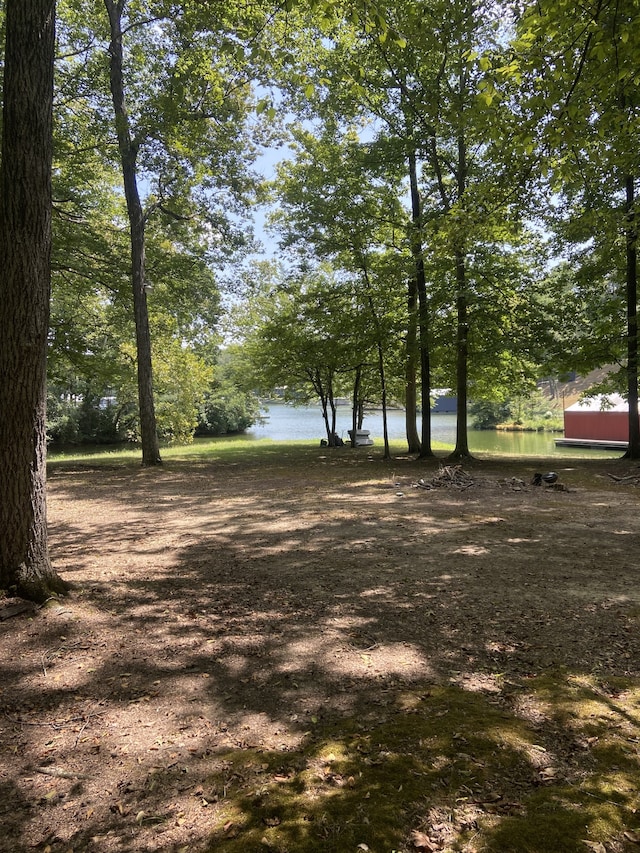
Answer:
[(222, 605)]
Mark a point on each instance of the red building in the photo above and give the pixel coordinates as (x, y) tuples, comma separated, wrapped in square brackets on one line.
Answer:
[(602, 418)]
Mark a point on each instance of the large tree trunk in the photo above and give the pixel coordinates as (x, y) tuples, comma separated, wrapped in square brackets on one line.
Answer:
[(423, 307), (633, 451), (411, 364), (25, 279), (461, 450), (128, 156)]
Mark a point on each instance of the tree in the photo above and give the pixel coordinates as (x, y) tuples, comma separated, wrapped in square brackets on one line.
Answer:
[(583, 120), (128, 148), (338, 204), (179, 87), (299, 335), (25, 246), (91, 354)]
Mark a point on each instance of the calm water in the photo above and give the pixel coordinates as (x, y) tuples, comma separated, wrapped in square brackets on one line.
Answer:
[(287, 423)]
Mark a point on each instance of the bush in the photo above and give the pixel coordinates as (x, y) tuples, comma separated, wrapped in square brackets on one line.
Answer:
[(62, 421), (227, 411), (487, 414), (84, 421)]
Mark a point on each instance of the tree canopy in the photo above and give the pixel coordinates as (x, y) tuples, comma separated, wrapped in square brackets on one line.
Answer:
[(456, 204)]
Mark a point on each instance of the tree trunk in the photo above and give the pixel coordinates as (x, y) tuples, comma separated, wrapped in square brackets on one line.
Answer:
[(411, 363), (423, 307), (633, 451), (381, 367), (383, 382), (334, 414), (25, 280), (356, 404), (128, 155), (326, 403), (461, 450)]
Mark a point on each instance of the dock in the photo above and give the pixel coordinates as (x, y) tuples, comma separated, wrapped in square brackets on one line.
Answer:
[(592, 443)]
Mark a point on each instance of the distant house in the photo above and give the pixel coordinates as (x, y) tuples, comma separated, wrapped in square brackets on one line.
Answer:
[(444, 403), (604, 418)]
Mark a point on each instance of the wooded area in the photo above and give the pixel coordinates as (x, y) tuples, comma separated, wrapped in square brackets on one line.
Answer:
[(314, 649), (456, 207)]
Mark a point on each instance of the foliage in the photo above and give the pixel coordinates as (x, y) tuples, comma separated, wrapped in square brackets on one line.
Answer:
[(227, 410), (583, 121), (230, 405), (86, 420), (487, 414)]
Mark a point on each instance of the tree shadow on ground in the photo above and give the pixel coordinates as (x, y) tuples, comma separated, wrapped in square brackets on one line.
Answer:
[(253, 663)]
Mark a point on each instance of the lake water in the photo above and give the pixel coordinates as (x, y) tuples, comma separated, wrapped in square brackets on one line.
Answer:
[(287, 423)]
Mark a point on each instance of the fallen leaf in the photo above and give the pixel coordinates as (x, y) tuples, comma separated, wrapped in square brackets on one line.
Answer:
[(632, 836), (422, 841), (596, 846)]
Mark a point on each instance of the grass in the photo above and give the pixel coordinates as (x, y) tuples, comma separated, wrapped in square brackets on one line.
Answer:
[(223, 449), (450, 769), (239, 448)]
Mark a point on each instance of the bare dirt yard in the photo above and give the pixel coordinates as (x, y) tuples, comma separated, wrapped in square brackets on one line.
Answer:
[(307, 649)]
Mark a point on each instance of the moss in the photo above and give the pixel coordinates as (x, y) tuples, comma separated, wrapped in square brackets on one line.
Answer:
[(444, 764)]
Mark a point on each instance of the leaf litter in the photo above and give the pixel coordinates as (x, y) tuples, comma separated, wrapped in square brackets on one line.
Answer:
[(224, 637)]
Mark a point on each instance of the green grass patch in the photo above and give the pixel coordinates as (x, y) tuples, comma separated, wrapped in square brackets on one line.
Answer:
[(444, 770), (228, 449), (241, 449)]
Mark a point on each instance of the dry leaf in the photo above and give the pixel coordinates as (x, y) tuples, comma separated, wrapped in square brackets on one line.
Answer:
[(422, 841), (632, 836), (596, 846)]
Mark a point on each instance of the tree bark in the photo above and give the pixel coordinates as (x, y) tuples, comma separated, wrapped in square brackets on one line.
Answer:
[(25, 283), (356, 404), (423, 307), (128, 149), (411, 363), (633, 450), (461, 450)]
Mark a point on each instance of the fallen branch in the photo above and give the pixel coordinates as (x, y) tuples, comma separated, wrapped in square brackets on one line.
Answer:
[(60, 774), (625, 481), (15, 610)]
